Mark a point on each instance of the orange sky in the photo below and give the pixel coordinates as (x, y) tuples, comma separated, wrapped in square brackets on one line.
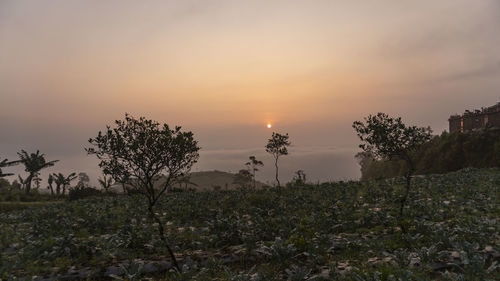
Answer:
[(224, 69)]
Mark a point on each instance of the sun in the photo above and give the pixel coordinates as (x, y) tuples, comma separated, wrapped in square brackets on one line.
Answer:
[(269, 125)]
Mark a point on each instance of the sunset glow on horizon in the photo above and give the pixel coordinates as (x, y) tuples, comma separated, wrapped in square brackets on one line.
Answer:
[(221, 68)]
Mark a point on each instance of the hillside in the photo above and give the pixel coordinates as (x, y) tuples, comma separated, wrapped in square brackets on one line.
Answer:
[(209, 179)]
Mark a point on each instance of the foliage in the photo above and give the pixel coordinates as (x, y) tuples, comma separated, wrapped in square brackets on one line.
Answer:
[(445, 153), (252, 166), (83, 180), (277, 146), (62, 181), (105, 182), (299, 178), (385, 137), (4, 184), (83, 192), (17, 195), (33, 163), (338, 231), (143, 152), (6, 163)]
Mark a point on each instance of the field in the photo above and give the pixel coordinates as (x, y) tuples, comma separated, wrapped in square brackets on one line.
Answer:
[(332, 231)]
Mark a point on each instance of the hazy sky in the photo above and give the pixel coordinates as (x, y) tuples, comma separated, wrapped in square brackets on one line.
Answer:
[(224, 69)]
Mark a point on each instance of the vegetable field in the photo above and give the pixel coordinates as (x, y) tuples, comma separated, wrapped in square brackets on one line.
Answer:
[(331, 231)]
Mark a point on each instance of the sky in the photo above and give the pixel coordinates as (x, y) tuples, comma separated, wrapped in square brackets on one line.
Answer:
[(225, 69)]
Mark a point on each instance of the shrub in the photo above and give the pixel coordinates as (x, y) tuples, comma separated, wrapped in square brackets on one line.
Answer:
[(81, 193)]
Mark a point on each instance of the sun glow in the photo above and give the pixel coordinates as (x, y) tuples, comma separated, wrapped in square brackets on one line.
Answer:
[(269, 125)]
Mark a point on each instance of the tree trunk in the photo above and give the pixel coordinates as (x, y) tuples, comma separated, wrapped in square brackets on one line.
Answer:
[(404, 199), (276, 165), (254, 179), (28, 184), (125, 191), (163, 238), (405, 196)]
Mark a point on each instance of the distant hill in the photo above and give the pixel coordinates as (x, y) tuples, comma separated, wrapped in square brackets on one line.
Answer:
[(207, 180)]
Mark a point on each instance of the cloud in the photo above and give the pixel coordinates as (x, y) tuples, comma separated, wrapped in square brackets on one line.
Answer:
[(486, 70)]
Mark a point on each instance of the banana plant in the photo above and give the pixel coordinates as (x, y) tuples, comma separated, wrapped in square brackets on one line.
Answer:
[(34, 163), (63, 181), (7, 163)]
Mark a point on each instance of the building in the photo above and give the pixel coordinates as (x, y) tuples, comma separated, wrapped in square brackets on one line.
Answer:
[(476, 120)]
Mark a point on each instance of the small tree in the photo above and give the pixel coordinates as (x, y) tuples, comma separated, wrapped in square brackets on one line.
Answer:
[(83, 180), (63, 181), (152, 157), (105, 182), (33, 163), (243, 178), (300, 177), (277, 146), (385, 137), (252, 167)]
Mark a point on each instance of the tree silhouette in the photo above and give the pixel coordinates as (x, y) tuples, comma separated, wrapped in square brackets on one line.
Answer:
[(387, 137), (252, 166), (300, 177), (242, 178), (63, 181), (33, 164), (83, 180), (6, 163), (22, 182), (152, 157), (50, 181), (277, 146)]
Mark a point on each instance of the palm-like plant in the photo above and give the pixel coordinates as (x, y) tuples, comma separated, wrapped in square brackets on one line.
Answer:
[(63, 181), (105, 182), (51, 181), (22, 181), (33, 164), (6, 163)]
